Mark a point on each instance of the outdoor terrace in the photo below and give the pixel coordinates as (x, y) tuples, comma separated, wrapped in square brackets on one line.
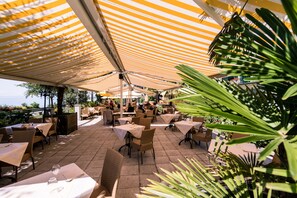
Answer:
[(87, 147)]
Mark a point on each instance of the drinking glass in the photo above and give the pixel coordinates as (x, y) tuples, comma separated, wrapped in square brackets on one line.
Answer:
[(55, 170)]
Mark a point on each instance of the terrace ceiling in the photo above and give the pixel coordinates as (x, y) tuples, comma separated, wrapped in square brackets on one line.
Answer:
[(45, 41)]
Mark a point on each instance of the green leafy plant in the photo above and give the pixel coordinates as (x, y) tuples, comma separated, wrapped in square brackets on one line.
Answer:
[(192, 179), (265, 52)]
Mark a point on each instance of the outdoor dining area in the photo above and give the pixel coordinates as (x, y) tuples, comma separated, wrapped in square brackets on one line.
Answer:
[(192, 98), (92, 139), (145, 145)]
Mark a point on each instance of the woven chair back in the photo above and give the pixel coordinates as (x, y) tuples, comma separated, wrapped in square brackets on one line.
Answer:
[(136, 120), (198, 119), (111, 169), (24, 135), (145, 122), (147, 136), (5, 137)]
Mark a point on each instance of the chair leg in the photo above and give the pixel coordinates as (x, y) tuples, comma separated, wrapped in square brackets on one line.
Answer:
[(16, 173), (141, 157), (206, 145), (56, 136), (49, 140), (129, 151), (154, 153), (138, 156), (33, 164), (42, 144)]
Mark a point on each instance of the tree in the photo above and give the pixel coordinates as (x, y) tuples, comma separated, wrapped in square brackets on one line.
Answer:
[(32, 89), (98, 98), (70, 97), (34, 105), (83, 97), (39, 91)]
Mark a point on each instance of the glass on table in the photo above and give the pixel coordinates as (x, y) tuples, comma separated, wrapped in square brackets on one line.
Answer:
[(53, 181), (55, 170)]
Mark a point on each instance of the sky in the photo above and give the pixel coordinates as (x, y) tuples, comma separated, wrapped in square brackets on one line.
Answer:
[(13, 95)]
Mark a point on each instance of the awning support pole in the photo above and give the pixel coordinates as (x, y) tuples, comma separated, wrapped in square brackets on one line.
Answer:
[(121, 99)]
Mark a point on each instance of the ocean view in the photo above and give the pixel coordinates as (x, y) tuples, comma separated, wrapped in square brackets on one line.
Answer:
[(18, 100), (11, 94)]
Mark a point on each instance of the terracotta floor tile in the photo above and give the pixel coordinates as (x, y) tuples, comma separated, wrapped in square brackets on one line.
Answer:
[(87, 147)]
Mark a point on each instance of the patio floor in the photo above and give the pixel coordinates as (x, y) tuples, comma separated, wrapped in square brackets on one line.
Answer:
[(87, 146)]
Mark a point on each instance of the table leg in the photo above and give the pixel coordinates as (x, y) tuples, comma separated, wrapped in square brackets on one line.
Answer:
[(11, 177), (188, 138), (127, 144), (171, 125)]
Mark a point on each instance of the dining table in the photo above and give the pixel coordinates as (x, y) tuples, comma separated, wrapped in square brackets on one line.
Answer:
[(125, 114), (124, 120), (185, 127), (124, 132), (12, 153), (42, 127), (71, 182), (167, 118)]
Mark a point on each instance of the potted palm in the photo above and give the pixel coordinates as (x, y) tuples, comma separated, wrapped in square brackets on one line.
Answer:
[(263, 50)]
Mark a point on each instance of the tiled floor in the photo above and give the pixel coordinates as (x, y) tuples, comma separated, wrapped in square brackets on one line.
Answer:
[(87, 146)]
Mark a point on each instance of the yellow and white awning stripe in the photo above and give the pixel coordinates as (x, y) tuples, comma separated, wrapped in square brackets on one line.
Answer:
[(44, 41)]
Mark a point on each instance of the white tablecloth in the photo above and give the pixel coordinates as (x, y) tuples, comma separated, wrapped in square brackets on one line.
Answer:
[(236, 149), (185, 126), (168, 117), (134, 129), (81, 186), (12, 153), (243, 149), (44, 127), (124, 120)]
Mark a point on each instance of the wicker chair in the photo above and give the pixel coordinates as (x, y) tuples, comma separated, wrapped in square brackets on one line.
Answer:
[(35, 120), (25, 136), (136, 120), (144, 143), (85, 113), (204, 137), (38, 136), (145, 122), (107, 117), (150, 114), (140, 114), (53, 129), (170, 110), (5, 137), (110, 175), (198, 119)]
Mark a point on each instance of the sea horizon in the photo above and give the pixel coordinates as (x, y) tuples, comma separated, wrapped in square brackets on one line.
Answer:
[(19, 100)]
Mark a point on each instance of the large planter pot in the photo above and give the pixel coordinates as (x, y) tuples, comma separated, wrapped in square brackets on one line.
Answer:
[(67, 123)]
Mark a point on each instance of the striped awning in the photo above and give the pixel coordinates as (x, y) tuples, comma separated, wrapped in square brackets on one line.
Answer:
[(44, 41)]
